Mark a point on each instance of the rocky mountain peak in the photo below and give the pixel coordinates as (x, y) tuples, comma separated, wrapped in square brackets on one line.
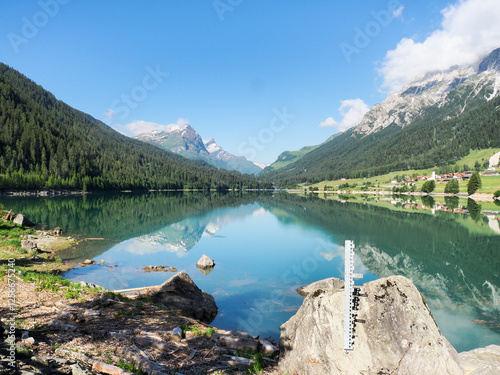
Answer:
[(211, 146), (460, 88), (185, 140), (491, 62)]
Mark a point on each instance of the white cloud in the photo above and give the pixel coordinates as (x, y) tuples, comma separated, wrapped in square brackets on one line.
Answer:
[(328, 255), (396, 13), (470, 29), (109, 114), (328, 123), (352, 111), (138, 127)]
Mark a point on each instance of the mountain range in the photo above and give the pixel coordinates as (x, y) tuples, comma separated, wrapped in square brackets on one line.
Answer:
[(432, 121), (46, 144), (182, 139)]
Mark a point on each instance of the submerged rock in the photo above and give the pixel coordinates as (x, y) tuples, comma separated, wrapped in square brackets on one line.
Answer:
[(159, 269), (399, 335), (181, 293), (205, 262), (87, 262)]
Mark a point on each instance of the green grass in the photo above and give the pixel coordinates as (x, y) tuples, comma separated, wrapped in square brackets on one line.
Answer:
[(258, 365), (209, 331), (119, 296), (45, 281), (10, 239), (197, 330), (478, 155), (193, 328), (130, 367)]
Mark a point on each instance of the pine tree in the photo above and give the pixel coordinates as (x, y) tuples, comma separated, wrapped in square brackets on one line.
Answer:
[(474, 183)]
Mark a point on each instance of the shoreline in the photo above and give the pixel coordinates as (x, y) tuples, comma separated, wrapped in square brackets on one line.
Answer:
[(480, 197)]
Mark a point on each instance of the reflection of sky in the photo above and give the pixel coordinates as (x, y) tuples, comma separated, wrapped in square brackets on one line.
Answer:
[(256, 255), (260, 260)]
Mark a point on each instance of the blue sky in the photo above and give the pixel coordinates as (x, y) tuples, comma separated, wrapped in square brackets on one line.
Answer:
[(258, 76)]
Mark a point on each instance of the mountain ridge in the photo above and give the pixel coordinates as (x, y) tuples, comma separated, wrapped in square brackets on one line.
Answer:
[(380, 143), (184, 140)]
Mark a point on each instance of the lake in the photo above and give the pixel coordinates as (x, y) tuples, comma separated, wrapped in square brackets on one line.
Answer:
[(267, 245)]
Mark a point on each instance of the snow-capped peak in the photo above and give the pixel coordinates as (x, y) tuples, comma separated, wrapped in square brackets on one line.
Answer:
[(175, 127), (211, 146)]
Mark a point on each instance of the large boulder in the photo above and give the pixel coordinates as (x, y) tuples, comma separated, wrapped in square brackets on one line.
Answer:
[(22, 220), (482, 361), (399, 335), (181, 293)]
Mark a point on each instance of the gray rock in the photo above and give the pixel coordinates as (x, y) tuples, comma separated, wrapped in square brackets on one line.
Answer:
[(268, 348), (238, 332), (331, 283), (181, 293), (399, 335), (29, 245), (61, 361), (205, 262), (39, 361), (22, 220), (482, 361), (177, 334), (77, 369), (244, 344), (87, 262)]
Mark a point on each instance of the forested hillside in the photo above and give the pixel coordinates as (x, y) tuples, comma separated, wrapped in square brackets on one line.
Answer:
[(44, 143), (423, 144)]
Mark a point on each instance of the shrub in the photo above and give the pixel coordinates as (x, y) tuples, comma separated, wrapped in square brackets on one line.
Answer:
[(497, 194), (452, 187)]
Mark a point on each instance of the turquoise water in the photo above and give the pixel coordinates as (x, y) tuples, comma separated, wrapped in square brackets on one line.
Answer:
[(266, 246)]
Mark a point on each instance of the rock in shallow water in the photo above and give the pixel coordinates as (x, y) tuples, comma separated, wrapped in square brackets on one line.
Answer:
[(399, 336), (205, 262)]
